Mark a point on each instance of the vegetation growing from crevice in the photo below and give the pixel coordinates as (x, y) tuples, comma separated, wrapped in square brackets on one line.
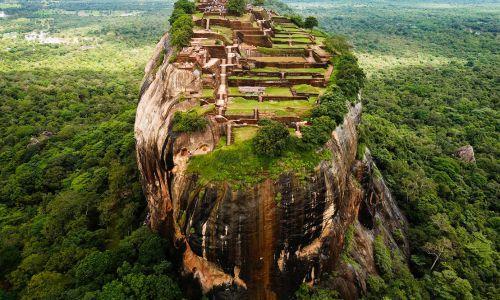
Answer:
[(332, 104), (318, 133), (307, 293), (181, 7), (181, 31), (188, 122)]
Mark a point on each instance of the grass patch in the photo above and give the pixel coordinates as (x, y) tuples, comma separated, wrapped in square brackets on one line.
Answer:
[(287, 30), (288, 47), (239, 165), (244, 18), (284, 59), (282, 51), (247, 77), (293, 39), (295, 70), (203, 110), (320, 40), (226, 32), (209, 42), (246, 133), (278, 91), (234, 91), (299, 77), (293, 35), (207, 93), (292, 108), (306, 88)]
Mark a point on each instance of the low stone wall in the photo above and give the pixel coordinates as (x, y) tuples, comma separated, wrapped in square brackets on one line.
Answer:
[(217, 51), (307, 95), (252, 82), (267, 25), (211, 35), (256, 40), (278, 74), (293, 42), (212, 14), (245, 72), (240, 117), (220, 22), (248, 97), (281, 20), (274, 98), (310, 81), (288, 65), (289, 121), (233, 24), (251, 31), (247, 121), (208, 81), (317, 82), (238, 25), (284, 98), (204, 101), (277, 64), (281, 52), (261, 15)]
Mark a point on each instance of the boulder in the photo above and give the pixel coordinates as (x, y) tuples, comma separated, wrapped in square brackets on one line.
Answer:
[(466, 153)]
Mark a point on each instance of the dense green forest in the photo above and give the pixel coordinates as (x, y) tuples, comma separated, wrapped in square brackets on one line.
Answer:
[(433, 86), (71, 207)]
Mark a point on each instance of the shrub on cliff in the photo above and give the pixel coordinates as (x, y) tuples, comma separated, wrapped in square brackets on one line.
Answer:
[(349, 77), (271, 139), (181, 31), (337, 44), (332, 104), (315, 293), (187, 6), (181, 7), (318, 133), (188, 122), (175, 15), (236, 7), (382, 257)]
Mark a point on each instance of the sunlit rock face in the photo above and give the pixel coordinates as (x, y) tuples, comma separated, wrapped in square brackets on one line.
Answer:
[(260, 242)]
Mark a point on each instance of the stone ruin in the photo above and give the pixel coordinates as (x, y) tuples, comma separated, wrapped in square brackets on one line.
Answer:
[(231, 65)]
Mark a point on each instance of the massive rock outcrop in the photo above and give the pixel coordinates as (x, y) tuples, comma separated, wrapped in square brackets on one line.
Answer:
[(260, 242)]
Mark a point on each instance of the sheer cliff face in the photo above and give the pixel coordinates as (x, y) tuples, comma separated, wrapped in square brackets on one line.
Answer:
[(264, 241)]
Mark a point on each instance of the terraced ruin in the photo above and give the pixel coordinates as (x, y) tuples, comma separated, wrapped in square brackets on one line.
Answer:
[(256, 66)]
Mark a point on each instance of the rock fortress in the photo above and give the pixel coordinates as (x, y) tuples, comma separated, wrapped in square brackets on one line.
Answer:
[(263, 240)]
